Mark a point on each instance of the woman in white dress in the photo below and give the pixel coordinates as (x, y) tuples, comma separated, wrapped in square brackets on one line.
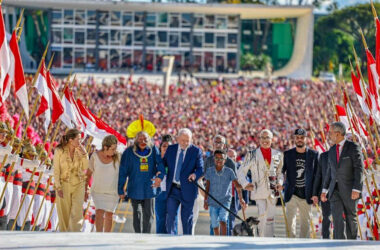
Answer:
[(104, 167)]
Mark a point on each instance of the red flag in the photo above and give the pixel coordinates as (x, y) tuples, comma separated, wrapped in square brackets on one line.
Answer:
[(16, 74), (4, 54), (43, 90), (56, 105)]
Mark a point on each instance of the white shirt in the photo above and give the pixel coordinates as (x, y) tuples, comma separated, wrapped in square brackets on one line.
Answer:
[(176, 161)]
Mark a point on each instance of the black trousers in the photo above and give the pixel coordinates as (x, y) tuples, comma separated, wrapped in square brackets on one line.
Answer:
[(344, 228), (143, 213), (326, 222)]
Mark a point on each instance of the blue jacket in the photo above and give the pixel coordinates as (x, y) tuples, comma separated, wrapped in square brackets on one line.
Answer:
[(289, 169), (193, 163), (139, 181)]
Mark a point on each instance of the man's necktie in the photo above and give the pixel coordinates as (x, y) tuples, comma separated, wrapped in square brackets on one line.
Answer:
[(337, 153), (179, 166)]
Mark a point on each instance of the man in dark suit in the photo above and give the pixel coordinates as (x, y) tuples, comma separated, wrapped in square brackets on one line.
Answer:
[(317, 190), (185, 165), (300, 165), (344, 182)]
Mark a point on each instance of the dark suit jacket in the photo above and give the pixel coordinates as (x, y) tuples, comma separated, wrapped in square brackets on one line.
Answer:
[(348, 173), (289, 169), (193, 163), (320, 176)]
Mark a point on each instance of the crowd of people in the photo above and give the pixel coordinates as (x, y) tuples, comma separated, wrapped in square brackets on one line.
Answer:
[(238, 107), (214, 138)]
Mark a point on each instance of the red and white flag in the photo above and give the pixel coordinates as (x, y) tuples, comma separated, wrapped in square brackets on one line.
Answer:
[(318, 146), (56, 105), (43, 90), (71, 117), (361, 93), (4, 55), (96, 127), (16, 74)]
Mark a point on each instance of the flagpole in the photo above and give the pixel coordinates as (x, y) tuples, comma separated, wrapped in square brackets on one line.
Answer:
[(374, 126), (370, 109), (343, 90)]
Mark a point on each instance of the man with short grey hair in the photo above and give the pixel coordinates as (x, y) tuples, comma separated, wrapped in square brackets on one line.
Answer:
[(343, 182), (265, 164)]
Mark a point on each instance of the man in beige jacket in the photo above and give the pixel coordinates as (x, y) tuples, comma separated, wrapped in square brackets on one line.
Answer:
[(265, 164)]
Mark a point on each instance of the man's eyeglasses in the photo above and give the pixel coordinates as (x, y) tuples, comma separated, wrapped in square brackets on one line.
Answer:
[(219, 159), (265, 138), (218, 142)]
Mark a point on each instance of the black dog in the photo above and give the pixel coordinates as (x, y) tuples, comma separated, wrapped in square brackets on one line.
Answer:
[(245, 228)]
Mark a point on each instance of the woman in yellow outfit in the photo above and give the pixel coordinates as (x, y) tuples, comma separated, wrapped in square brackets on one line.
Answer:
[(70, 162)]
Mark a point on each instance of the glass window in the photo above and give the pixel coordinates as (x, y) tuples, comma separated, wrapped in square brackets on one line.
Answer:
[(173, 40), (68, 35), (57, 17), (209, 61), (80, 18), (219, 63), (90, 59), (91, 36), (115, 18), (91, 17), (198, 22), (115, 59), (197, 65), (103, 37), (221, 23), (79, 58), (185, 37), (57, 35), (198, 41), (149, 62), (220, 42), (232, 38), (151, 20), (231, 62), (139, 18), (137, 59), (138, 34), (187, 60), (177, 62), (233, 21), (163, 19), (68, 16), (127, 19), (174, 21), (186, 20), (162, 36), (126, 59), (210, 21), (126, 38), (79, 36), (68, 56), (115, 37), (103, 59), (103, 18), (57, 60), (209, 38), (151, 39)]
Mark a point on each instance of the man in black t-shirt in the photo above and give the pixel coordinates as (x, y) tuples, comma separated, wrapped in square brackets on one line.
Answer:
[(300, 165)]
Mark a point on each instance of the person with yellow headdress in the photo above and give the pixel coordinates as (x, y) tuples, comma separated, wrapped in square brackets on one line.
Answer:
[(141, 163)]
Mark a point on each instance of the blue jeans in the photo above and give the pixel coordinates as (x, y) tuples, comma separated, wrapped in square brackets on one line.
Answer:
[(218, 214)]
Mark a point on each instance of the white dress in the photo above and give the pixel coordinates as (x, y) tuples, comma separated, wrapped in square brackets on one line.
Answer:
[(104, 184)]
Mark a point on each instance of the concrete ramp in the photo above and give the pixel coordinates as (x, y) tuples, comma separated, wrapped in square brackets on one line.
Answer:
[(37, 240)]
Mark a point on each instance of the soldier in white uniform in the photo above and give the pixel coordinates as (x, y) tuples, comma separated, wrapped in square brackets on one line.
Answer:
[(265, 164)]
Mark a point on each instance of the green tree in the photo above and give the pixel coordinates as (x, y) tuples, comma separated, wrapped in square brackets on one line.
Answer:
[(335, 34)]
